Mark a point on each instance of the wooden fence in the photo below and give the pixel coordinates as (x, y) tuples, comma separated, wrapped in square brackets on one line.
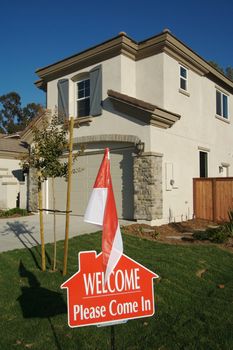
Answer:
[(213, 198)]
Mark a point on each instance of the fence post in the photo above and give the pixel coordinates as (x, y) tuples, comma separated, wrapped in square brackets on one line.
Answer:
[(194, 198), (214, 199)]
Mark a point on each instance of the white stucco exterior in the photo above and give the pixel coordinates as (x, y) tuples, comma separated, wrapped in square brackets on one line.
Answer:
[(10, 177), (155, 79)]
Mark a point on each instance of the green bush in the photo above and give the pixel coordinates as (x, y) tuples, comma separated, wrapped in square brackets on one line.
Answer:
[(215, 235), (13, 211), (229, 225), (219, 236), (201, 235)]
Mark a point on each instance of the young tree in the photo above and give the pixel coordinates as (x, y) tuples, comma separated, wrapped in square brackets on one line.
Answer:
[(228, 72), (14, 117), (49, 144), (217, 66)]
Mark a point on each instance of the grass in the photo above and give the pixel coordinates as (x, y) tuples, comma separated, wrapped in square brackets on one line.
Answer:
[(191, 311)]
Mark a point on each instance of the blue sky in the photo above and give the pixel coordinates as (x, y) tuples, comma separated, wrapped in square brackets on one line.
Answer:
[(37, 33)]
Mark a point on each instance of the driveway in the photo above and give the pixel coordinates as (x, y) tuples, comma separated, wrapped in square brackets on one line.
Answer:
[(24, 232)]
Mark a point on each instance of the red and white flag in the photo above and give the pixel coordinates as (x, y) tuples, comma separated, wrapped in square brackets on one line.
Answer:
[(101, 210)]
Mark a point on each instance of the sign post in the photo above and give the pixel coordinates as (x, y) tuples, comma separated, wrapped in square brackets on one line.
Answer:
[(112, 338), (110, 287)]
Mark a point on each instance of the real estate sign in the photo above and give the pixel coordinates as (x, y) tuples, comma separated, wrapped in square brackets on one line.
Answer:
[(127, 294)]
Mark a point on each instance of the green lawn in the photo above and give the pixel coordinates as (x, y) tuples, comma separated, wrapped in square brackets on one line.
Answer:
[(191, 311)]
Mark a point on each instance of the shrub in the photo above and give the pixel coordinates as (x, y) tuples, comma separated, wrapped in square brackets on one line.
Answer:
[(13, 211), (219, 234), (201, 235), (229, 225)]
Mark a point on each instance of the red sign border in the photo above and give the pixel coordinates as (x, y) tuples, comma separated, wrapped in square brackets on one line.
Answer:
[(118, 320)]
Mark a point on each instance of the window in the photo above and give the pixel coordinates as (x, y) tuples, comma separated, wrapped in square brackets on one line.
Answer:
[(183, 78), (221, 104), (203, 164), (83, 98)]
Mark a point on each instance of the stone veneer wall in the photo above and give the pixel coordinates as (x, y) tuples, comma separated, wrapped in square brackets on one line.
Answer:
[(33, 190), (148, 195)]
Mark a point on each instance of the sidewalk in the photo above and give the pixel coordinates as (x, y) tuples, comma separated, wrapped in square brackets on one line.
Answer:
[(25, 231)]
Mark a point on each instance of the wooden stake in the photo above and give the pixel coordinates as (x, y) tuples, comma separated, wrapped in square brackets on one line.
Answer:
[(54, 228), (68, 195), (43, 267)]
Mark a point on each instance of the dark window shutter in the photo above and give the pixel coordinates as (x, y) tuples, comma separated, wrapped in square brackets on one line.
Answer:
[(63, 98), (96, 91)]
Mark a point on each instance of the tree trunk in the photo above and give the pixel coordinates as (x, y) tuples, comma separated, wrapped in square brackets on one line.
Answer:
[(54, 228), (43, 267)]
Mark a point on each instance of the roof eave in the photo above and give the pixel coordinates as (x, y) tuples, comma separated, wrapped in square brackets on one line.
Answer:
[(122, 44), (158, 117), (41, 84), (119, 45)]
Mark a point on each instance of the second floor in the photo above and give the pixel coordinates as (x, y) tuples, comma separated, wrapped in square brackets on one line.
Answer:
[(161, 71)]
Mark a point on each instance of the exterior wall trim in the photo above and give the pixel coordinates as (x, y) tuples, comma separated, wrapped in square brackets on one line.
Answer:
[(204, 149), (144, 111), (107, 138), (122, 44), (152, 154)]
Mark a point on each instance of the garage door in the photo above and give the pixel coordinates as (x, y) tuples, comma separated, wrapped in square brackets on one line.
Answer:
[(82, 183)]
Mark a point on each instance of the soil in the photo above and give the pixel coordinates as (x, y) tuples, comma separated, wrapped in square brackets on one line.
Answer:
[(175, 233)]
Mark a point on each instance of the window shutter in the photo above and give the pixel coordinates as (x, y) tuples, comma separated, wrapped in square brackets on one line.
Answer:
[(96, 91), (63, 98)]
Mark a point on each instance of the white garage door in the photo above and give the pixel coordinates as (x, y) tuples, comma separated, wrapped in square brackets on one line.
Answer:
[(83, 181)]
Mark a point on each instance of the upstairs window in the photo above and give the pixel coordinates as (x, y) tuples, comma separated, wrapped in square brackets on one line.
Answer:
[(183, 78), (83, 98), (221, 104)]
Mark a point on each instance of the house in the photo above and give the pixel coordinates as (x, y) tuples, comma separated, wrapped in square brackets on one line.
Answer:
[(164, 112), (13, 187)]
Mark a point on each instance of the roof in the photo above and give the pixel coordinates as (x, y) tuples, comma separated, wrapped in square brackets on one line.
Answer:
[(34, 121), (143, 111), (12, 136), (12, 145), (16, 143), (123, 44), (132, 100)]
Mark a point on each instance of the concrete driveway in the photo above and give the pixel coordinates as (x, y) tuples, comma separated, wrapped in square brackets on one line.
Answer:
[(24, 232)]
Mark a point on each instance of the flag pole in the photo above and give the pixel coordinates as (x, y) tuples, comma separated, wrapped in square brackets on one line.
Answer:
[(71, 128)]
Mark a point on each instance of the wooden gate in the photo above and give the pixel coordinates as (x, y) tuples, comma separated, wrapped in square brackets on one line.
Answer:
[(213, 198)]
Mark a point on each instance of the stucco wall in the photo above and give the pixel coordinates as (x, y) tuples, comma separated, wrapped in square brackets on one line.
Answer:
[(118, 74), (150, 79), (10, 164), (197, 128), (10, 175), (111, 75), (156, 80), (128, 76)]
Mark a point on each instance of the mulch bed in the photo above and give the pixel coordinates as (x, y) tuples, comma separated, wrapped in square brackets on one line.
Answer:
[(174, 233)]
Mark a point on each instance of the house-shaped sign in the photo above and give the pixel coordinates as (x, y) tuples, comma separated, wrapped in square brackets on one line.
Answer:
[(127, 294)]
